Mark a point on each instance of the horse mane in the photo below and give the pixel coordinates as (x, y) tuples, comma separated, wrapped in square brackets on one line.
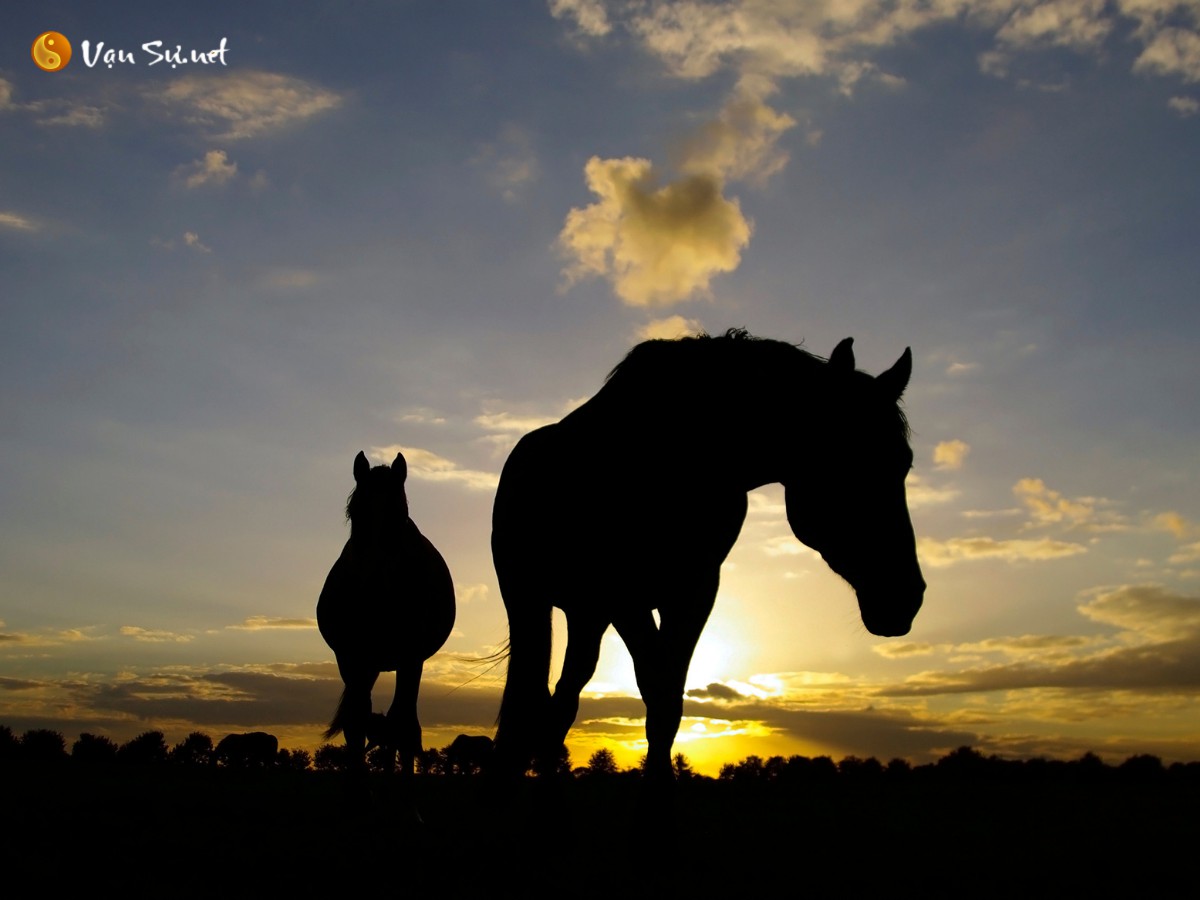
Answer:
[(658, 359), (660, 355)]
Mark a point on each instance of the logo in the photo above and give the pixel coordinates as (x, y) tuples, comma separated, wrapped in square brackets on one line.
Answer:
[(51, 51)]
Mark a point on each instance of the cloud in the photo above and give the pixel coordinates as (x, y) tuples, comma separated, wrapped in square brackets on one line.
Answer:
[(19, 222), (214, 168), (191, 239), (1156, 650), (263, 623), (1172, 51), (938, 554), (1186, 107), (245, 104), (510, 163), (764, 41), (922, 494), (472, 593), (950, 454), (81, 116), (587, 16), (1147, 609), (1173, 522), (959, 368), (6, 95), (428, 466), (1049, 507), (741, 143), (668, 329), (153, 636), (657, 244), (511, 422)]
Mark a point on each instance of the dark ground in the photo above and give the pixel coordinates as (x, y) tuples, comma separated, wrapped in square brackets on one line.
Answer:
[(168, 832)]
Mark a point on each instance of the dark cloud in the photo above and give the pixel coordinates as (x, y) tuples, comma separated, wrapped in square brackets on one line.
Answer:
[(715, 691)]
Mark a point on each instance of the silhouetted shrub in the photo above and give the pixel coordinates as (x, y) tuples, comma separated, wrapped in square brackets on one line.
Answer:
[(94, 749), (331, 758), (295, 760)]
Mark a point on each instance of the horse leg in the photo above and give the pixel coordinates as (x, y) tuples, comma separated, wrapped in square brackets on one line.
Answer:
[(661, 656), (584, 633), (355, 711), (403, 724)]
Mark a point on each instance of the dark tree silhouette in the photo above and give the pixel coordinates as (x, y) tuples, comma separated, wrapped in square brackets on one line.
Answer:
[(92, 749), (295, 760), (147, 749), (10, 744), (331, 758), (43, 745), (194, 750)]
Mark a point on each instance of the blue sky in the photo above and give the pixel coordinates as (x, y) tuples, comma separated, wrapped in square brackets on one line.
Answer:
[(437, 225)]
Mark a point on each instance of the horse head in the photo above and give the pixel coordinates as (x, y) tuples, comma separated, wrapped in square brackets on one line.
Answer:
[(378, 506), (849, 502)]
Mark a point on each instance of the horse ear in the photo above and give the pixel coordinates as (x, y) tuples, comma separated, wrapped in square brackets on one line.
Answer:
[(361, 467), (400, 466), (895, 379), (842, 356)]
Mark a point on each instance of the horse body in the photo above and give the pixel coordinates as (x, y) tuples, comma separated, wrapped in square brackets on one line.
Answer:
[(631, 503), (387, 606)]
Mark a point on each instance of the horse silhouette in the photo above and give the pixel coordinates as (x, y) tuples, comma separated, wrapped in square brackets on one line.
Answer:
[(387, 606), (631, 503), (253, 750)]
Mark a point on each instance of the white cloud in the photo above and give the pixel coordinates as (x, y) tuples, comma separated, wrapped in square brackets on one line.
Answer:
[(245, 104), (950, 454)]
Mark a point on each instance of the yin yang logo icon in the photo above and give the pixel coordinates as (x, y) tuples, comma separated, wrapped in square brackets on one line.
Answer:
[(51, 51)]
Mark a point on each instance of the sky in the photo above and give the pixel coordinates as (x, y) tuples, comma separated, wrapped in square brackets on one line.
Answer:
[(437, 225)]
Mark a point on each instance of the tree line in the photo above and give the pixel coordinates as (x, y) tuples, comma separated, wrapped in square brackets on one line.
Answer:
[(468, 756)]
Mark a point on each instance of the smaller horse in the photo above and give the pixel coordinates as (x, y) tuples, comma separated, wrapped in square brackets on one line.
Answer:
[(387, 606)]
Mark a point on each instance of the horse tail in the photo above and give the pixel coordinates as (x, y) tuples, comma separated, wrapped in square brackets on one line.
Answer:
[(522, 722), (338, 724)]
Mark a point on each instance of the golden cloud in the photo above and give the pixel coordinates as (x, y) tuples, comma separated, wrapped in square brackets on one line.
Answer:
[(429, 466), (656, 244), (247, 104), (950, 454), (668, 329), (213, 168), (955, 550)]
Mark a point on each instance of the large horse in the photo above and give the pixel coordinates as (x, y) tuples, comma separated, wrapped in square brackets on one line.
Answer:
[(387, 606), (631, 503)]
